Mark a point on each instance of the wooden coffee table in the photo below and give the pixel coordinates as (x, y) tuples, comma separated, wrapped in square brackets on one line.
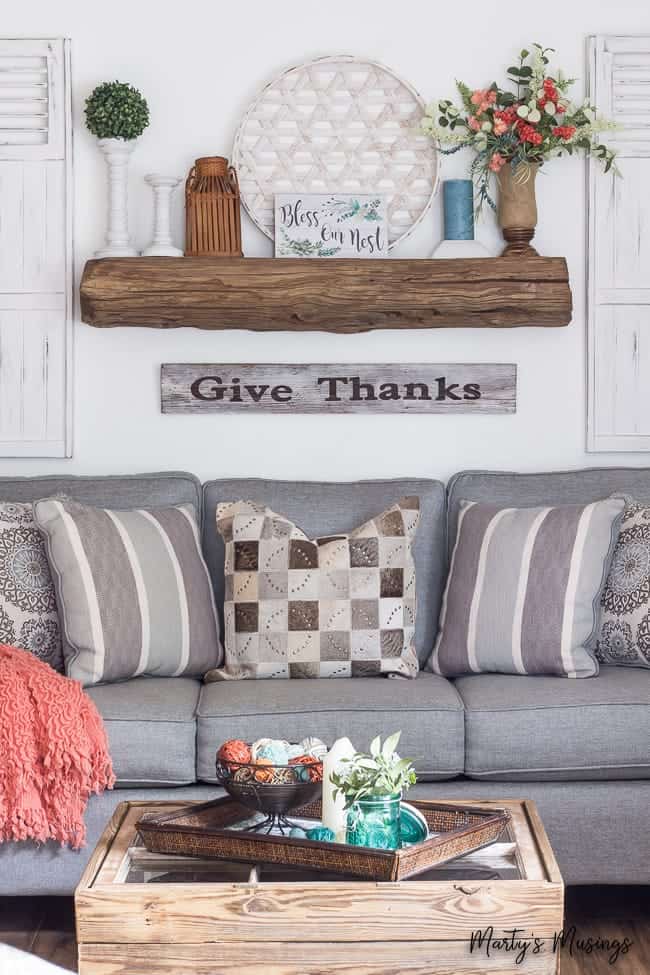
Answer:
[(139, 913)]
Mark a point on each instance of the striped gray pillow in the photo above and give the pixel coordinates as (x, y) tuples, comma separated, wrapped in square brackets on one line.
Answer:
[(133, 591), (523, 589)]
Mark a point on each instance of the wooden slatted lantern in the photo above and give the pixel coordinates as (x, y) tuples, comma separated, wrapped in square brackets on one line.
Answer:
[(212, 209)]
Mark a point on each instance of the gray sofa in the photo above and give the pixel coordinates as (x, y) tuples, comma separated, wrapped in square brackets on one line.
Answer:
[(579, 748)]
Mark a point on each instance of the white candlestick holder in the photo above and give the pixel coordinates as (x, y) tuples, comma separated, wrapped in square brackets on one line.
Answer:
[(117, 153), (162, 244)]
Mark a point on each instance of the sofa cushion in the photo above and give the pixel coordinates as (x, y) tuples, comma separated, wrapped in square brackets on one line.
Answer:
[(340, 606), (534, 728), (28, 613), (108, 491), (428, 711), (328, 508), (151, 727), (530, 490), (524, 586), (133, 590)]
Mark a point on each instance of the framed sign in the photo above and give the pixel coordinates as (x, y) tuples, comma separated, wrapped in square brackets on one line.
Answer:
[(330, 225), (330, 388)]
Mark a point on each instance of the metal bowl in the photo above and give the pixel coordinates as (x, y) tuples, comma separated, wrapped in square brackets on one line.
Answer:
[(288, 787)]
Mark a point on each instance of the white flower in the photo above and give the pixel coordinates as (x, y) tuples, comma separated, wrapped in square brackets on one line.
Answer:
[(452, 111), (486, 127), (534, 116), (522, 111), (549, 108), (541, 93)]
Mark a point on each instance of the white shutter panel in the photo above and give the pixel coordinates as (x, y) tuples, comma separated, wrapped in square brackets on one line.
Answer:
[(619, 251), (35, 248)]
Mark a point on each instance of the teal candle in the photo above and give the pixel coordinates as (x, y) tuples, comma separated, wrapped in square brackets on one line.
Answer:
[(458, 203)]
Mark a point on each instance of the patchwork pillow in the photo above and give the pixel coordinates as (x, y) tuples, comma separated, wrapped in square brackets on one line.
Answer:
[(341, 606), (28, 615), (133, 591), (624, 632), (524, 587)]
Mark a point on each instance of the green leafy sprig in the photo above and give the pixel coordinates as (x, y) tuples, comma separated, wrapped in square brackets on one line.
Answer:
[(525, 123), (381, 773)]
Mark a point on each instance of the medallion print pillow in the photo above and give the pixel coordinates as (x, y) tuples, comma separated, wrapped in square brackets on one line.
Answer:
[(28, 614), (341, 606), (624, 636), (133, 591), (524, 587)]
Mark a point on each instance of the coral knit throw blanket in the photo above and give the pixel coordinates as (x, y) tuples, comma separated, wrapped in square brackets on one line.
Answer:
[(53, 752)]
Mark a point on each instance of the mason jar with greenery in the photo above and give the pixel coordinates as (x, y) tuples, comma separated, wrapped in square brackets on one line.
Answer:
[(372, 786)]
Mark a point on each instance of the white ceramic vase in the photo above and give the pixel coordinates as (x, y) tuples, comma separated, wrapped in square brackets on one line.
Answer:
[(117, 153), (162, 244)]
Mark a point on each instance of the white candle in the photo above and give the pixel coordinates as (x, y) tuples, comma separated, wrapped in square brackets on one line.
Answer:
[(334, 813)]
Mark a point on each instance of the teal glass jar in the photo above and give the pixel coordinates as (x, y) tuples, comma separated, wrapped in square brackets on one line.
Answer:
[(375, 821)]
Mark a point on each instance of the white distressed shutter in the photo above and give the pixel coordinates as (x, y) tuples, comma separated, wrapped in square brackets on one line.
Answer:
[(35, 248), (619, 251)]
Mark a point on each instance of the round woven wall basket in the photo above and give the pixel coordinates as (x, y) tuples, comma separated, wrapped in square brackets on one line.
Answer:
[(337, 125)]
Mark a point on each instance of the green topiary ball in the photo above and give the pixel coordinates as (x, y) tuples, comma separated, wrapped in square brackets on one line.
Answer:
[(116, 111)]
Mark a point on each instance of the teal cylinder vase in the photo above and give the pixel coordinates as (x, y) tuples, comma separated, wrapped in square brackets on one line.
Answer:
[(375, 821)]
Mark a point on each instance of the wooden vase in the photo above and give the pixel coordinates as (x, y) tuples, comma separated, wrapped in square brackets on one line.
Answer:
[(212, 209), (517, 208)]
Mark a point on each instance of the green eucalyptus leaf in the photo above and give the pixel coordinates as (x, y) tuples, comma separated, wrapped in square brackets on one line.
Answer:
[(391, 744)]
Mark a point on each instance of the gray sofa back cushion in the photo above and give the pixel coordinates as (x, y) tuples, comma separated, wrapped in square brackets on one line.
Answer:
[(325, 508), (109, 491), (529, 490)]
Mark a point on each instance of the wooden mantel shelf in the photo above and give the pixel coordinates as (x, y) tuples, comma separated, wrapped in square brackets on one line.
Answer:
[(269, 294)]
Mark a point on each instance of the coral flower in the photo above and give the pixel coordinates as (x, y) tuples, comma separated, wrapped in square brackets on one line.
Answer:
[(478, 96), (500, 126), (496, 162), (473, 123)]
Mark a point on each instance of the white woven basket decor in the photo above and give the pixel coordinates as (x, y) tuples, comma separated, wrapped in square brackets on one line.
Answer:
[(337, 125)]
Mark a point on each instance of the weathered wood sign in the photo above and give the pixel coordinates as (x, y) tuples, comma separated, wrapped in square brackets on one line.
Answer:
[(330, 388)]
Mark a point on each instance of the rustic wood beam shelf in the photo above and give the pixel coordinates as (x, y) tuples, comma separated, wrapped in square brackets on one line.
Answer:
[(270, 294)]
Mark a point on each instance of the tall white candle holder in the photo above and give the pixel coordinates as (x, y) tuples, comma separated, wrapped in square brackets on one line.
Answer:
[(117, 153), (162, 244)]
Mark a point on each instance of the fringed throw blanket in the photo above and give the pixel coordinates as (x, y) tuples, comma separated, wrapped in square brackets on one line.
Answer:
[(53, 752)]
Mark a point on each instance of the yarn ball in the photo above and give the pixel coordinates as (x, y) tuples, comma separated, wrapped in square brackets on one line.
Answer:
[(293, 751), (321, 833), (235, 751), (271, 749), (263, 772), (314, 747), (297, 833), (243, 774), (306, 770)]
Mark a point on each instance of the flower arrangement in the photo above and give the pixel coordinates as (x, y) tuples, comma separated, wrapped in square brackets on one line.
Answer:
[(381, 773), (524, 127), (116, 110)]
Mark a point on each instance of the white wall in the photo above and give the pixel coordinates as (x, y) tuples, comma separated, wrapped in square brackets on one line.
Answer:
[(199, 64)]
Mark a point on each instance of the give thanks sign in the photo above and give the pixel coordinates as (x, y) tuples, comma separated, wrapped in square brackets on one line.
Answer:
[(329, 388)]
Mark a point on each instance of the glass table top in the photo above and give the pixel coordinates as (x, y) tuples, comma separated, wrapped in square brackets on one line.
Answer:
[(499, 861)]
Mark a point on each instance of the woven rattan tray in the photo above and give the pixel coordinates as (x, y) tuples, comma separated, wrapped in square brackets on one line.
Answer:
[(205, 830)]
